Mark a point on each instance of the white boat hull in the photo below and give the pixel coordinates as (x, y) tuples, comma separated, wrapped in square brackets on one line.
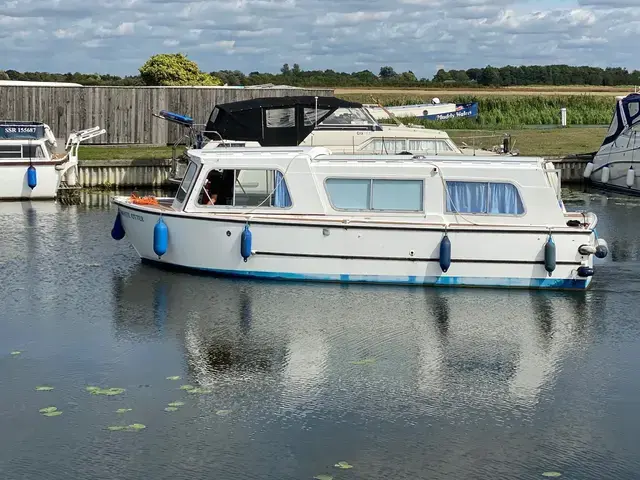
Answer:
[(332, 251), (14, 185)]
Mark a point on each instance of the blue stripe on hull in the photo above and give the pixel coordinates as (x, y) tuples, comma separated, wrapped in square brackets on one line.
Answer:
[(445, 281)]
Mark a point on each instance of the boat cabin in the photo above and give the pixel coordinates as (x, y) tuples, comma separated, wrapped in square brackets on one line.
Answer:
[(311, 181), (25, 141)]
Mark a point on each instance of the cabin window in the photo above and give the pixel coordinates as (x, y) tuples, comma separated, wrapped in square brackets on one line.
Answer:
[(428, 146), (32, 151), (245, 188), (349, 116), (187, 180), (10, 151), (281, 117), (375, 194), (495, 198)]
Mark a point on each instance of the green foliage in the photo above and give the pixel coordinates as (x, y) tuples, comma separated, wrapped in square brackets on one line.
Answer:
[(175, 69), (511, 110), (3, 75)]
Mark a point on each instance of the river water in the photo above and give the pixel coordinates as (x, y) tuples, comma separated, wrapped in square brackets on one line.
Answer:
[(291, 379)]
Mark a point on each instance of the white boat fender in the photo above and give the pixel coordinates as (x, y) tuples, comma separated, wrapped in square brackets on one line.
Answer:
[(160, 237), (602, 249), (587, 170), (245, 243), (550, 255), (631, 177), (585, 271), (586, 249), (605, 174)]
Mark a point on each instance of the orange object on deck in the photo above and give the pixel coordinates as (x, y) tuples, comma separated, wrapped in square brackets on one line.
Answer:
[(143, 200)]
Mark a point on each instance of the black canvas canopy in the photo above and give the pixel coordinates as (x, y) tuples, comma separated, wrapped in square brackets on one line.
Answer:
[(272, 121)]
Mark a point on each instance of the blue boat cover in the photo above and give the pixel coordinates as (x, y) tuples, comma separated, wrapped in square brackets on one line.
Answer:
[(20, 130), (626, 115)]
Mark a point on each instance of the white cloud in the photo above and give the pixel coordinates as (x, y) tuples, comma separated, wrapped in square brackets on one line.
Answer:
[(118, 36)]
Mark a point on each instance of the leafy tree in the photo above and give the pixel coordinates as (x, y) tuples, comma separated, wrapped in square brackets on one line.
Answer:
[(174, 69), (3, 75), (387, 73)]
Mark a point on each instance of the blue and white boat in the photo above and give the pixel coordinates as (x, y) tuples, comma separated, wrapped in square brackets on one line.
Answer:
[(616, 164), (426, 111), (30, 168), (303, 213)]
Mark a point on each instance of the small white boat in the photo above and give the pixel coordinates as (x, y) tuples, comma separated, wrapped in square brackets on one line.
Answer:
[(30, 169), (302, 213), (616, 164)]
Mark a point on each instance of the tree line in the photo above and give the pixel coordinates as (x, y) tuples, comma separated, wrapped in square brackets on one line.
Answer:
[(176, 69)]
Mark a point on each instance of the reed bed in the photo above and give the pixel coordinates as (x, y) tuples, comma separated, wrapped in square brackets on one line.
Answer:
[(508, 111)]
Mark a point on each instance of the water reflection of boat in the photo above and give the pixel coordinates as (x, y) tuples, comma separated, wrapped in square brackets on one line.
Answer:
[(296, 338)]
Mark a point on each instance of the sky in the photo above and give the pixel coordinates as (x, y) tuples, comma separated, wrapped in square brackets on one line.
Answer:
[(118, 36)]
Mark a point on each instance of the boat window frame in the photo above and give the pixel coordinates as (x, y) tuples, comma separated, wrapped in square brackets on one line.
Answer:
[(423, 202), (488, 214), (193, 181), (235, 180)]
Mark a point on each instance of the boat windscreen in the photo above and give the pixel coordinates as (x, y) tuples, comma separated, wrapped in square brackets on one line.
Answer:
[(625, 116)]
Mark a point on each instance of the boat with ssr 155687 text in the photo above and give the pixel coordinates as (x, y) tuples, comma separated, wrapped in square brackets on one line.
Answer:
[(31, 168), (302, 213)]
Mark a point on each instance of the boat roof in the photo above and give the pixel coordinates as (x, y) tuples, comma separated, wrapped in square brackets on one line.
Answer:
[(323, 154), (272, 121), (625, 116)]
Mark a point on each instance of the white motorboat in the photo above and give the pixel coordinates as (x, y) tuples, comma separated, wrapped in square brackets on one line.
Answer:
[(31, 168), (341, 126), (612, 167), (303, 213)]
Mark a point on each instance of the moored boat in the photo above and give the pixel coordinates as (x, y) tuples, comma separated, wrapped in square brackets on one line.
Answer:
[(303, 213), (612, 167), (340, 125), (31, 168)]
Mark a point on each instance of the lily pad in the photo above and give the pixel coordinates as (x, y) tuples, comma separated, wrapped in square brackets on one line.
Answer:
[(176, 404), (323, 477), (343, 465), (187, 387), (48, 409), (223, 412), (52, 414), (364, 361), (16, 352), (200, 390), (124, 410), (126, 428), (171, 409), (92, 389), (105, 391), (44, 388), (175, 377), (551, 474)]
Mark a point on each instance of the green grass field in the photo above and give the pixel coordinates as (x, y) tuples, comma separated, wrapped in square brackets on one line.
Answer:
[(508, 111)]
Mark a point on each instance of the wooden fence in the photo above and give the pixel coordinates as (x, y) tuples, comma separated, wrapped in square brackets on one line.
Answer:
[(125, 112)]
